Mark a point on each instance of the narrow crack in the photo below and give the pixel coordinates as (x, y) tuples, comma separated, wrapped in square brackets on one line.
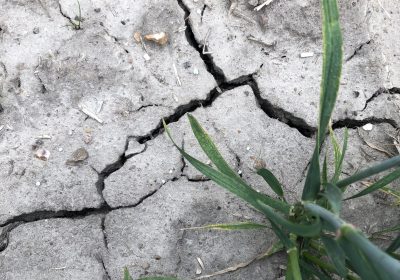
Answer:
[(5, 232), (393, 90), (211, 67), (357, 50), (105, 241), (351, 123), (115, 39), (280, 114), (65, 15)]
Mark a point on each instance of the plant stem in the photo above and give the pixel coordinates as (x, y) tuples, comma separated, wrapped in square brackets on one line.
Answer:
[(294, 259)]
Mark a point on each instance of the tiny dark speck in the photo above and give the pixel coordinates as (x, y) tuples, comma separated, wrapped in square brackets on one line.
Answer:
[(97, 10), (123, 22)]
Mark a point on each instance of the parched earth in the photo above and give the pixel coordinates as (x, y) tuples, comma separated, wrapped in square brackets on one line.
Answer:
[(90, 184)]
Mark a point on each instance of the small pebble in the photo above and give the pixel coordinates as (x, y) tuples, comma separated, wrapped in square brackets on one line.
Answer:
[(240, 172), (248, 148), (368, 127), (195, 71), (37, 184), (146, 57), (36, 30), (60, 149), (163, 181)]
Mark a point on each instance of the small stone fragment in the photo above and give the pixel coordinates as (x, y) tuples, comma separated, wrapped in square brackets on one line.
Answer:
[(368, 127), (195, 71), (37, 184), (36, 30), (137, 36), (42, 154), (160, 38), (78, 156), (146, 57)]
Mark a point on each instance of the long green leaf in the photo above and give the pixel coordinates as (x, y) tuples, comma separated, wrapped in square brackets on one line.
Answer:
[(231, 226), (386, 266), (307, 230), (394, 245), (271, 181), (239, 188), (332, 64), (357, 260), (331, 70), (368, 172), (210, 149), (336, 254), (379, 184)]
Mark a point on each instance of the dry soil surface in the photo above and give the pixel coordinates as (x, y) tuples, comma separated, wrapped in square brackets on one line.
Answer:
[(90, 184)]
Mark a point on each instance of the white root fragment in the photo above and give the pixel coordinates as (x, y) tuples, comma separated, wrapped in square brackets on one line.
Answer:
[(89, 113), (178, 80), (266, 3), (306, 54)]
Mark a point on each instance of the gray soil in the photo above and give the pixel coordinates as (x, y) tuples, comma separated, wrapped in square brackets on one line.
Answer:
[(110, 191)]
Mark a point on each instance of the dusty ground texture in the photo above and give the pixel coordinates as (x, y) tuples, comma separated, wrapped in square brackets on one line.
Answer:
[(113, 192)]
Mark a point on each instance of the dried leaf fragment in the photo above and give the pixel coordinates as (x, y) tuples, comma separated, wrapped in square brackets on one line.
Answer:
[(138, 37), (160, 38)]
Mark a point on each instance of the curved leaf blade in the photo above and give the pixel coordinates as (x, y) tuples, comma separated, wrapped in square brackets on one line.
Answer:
[(368, 172), (379, 184), (271, 180), (210, 148), (394, 245), (233, 185)]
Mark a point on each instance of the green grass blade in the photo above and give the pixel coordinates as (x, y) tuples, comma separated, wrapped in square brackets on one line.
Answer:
[(379, 184), (357, 260), (271, 181), (334, 196), (332, 64), (394, 245), (331, 70), (385, 266), (336, 255), (237, 187), (313, 180), (210, 149), (368, 172), (231, 226), (127, 276), (306, 230)]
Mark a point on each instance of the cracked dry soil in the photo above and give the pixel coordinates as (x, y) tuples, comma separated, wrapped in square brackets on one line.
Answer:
[(240, 73)]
